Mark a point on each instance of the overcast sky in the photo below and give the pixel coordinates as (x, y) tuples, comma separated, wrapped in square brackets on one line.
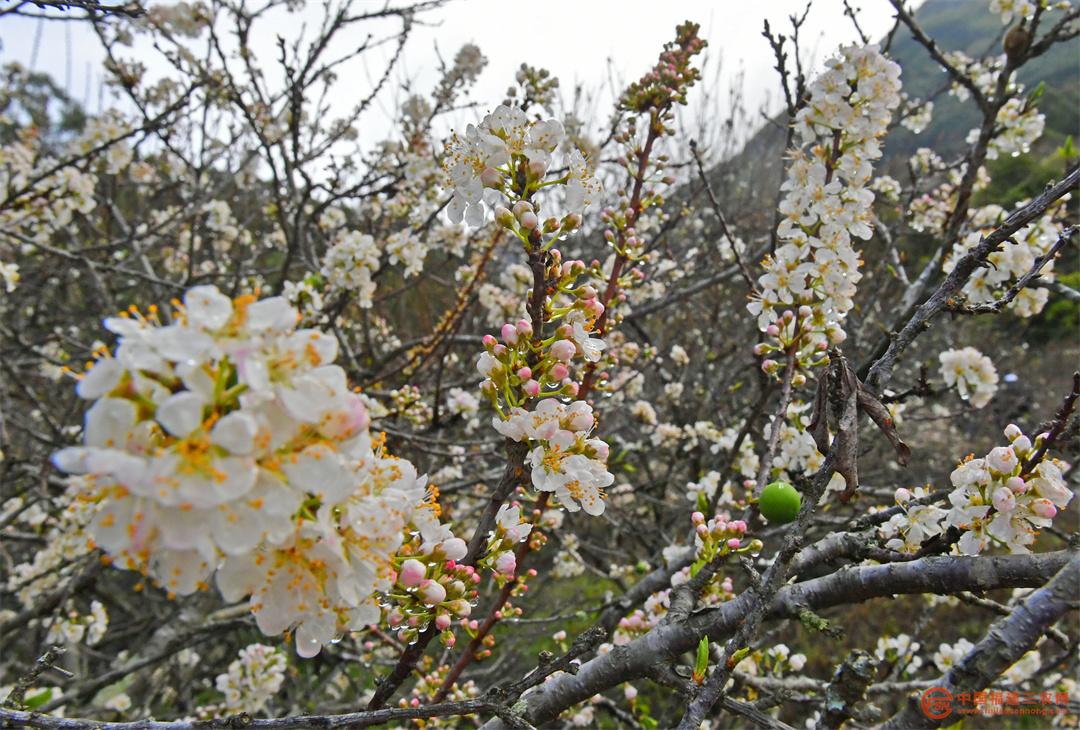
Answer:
[(573, 38)]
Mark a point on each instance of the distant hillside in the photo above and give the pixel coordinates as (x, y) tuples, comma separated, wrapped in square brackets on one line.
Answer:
[(965, 25)]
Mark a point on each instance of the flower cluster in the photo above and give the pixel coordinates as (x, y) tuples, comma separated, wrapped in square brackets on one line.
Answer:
[(718, 536), (73, 627), (667, 83), (918, 116), (1001, 499), (565, 460), (1008, 9), (907, 530), (51, 199), (349, 265), (901, 652), (982, 72), (827, 202), (227, 441), (775, 661), (507, 156), (521, 368), (1018, 125), (971, 373), (510, 529), (252, 679), (525, 377), (1010, 262)]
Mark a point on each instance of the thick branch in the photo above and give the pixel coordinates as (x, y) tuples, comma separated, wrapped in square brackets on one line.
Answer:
[(881, 370), (945, 575), (1007, 641)]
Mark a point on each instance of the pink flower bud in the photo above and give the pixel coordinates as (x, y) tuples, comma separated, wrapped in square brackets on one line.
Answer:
[(702, 530), (442, 622), (630, 691), (509, 334), (563, 350), (412, 573), (571, 389), (805, 312), (1013, 432), (588, 292), (1002, 459), (489, 341), (524, 373), (769, 365), (521, 208), (1016, 485), (531, 388), (558, 371), (432, 592), (1004, 500), (788, 315), (1043, 508), (697, 518), (504, 217), (506, 564), (490, 178), (602, 451), (902, 495), (499, 350), (394, 618), (529, 221), (733, 543), (525, 327), (760, 349), (772, 330)]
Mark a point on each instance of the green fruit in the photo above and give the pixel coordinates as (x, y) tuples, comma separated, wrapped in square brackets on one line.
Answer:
[(779, 502)]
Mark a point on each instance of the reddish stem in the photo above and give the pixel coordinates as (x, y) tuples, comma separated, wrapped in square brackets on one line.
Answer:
[(469, 655), (620, 259)]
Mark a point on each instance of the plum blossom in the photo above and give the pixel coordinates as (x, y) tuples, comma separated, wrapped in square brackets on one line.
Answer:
[(228, 442), (971, 372), (827, 201)]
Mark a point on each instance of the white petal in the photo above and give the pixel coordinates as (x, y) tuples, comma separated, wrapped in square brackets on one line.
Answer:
[(319, 470), (181, 414), (274, 314), (238, 576), (235, 433), (109, 422), (182, 344), (207, 308), (100, 379)]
